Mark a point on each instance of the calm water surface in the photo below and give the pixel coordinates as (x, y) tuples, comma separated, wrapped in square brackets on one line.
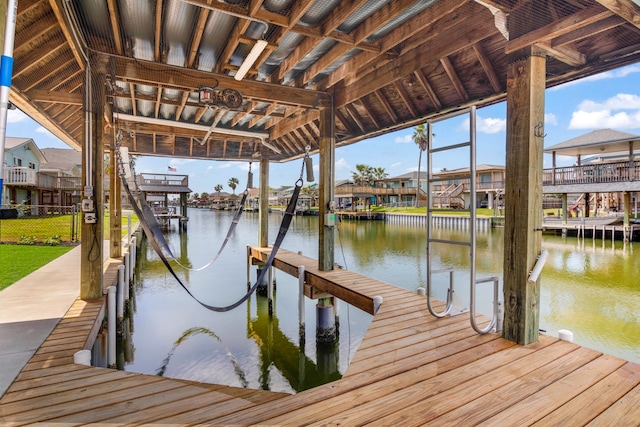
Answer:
[(588, 286)]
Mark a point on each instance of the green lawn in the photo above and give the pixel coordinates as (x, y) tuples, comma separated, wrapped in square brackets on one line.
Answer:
[(17, 261)]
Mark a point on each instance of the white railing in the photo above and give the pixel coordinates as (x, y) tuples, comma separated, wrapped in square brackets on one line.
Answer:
[(20, 176)]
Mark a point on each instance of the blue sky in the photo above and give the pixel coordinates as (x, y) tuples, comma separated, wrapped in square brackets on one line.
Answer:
[(607, 100)]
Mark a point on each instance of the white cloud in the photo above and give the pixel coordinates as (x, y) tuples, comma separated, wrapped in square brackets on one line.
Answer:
[(613, 74), (489, 125), (16, 116), (403, 139), (342, 165), (608, 114), (550, 119), (43, 130), (395, 165), (225, 165)]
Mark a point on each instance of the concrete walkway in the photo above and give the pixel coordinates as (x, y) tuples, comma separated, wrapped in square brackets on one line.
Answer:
[(31, 308)]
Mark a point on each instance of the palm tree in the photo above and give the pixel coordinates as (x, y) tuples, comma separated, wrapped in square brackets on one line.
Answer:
[(233, 183), (218, 189), (362, 174), (421, 138)]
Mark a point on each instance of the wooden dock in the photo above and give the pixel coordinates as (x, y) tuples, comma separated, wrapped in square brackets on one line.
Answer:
[(410, 369), (602, 227)]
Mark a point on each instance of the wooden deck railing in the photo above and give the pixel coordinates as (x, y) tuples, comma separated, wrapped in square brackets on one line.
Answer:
[(20, 176), (592, 173)]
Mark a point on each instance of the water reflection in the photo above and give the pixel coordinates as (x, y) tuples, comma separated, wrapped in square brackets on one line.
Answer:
[(587, 286)]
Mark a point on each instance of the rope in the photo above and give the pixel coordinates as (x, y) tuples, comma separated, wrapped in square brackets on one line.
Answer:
[(284, 227), (154, 227), (282, 232)]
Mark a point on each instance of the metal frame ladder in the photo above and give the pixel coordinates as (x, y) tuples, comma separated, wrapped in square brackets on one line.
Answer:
[(496, 322)]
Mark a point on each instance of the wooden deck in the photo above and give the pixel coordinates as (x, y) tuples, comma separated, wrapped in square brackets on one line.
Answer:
[(410, 369)]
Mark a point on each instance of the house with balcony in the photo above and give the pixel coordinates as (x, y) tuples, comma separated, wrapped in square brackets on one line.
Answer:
[(397, 191), (60, 178), (23, 160), (604, 178), (452, 188)]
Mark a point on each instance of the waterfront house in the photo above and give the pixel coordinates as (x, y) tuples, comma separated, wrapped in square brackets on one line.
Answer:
[(59, 179), (605, 176), (453, 187), (23, 159)]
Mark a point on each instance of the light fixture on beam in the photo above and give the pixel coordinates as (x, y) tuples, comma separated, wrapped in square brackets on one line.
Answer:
[(251, 58)]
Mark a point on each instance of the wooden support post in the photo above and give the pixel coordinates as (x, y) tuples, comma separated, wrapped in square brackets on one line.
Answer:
[(627, 208), (523, 194), (263, 209), (326, 234), (115, 207), (91, 278), (564, 214)]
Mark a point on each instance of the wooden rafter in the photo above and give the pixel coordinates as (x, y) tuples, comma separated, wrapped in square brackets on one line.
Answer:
[(488, 68), (158, 99), (555, 29), (377, 20), (158, 31), (203, 15), (385, 105), (626, 9), (366, 107), (438, 19), (132, 96), (474, 30), (114, 18), (353, 113), (406, 99), (424, 82), (455, 79)]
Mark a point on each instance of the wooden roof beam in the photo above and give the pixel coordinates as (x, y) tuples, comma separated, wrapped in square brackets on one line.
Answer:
[(330, 23), (56, 6), (370, 113), (558, 28), (386, 105), (158, 101), (52, 68), (626, 9), (183, 103), (283, 126), (67, 81), (158, 31), (588, 31), (377, 20), (56, 97), (149, 73), (114, 20), (437, 19), (440, 47), (488, 68), (566, 54), (353, 113), (203, 16), (406, 99), (132, 95), (424, 82)]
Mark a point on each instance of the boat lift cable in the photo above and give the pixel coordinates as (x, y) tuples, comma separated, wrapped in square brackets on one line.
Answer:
[(154, 226), (284, 227)]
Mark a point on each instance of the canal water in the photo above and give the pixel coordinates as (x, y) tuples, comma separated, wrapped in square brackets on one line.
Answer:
[(590, 287)]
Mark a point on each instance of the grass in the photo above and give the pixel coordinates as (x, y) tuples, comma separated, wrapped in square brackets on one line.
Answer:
[(17, 261), (50, 228)]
